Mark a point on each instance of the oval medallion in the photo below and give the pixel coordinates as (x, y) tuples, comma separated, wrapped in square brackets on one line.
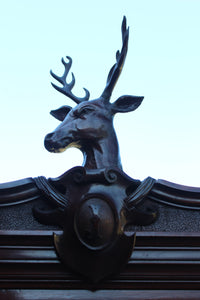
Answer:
[(95, 223)]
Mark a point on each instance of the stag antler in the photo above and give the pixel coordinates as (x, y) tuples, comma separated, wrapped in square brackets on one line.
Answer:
[(67, 87), (117, 67)]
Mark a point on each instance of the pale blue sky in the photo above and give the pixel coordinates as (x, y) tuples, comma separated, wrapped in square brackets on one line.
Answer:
[(163, 64)]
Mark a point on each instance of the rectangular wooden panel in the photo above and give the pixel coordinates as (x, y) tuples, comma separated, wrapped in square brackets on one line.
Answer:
[(160, 262)]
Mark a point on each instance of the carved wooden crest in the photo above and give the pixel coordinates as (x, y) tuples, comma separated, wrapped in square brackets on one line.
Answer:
[(94, 204)]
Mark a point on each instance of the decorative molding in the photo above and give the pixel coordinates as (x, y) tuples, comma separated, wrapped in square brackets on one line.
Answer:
[(96, 207), (167, 261), (18, 192), (175, 195)]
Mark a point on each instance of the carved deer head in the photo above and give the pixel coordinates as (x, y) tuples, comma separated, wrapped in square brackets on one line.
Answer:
[(89, 125)]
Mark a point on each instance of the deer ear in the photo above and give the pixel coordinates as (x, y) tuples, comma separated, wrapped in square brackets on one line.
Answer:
[(126, 104), (61, 112)]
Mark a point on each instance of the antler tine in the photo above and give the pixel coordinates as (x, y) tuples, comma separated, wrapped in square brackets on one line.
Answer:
[(67, 87), (116, 69)]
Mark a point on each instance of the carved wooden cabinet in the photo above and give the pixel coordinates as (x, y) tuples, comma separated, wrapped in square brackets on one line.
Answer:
[(73, 237)]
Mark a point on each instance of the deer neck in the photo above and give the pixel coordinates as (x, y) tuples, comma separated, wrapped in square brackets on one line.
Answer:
[(103, 153)]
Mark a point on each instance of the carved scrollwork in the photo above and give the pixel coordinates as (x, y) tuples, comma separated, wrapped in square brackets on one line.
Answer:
[(110, 175), (94, 203)]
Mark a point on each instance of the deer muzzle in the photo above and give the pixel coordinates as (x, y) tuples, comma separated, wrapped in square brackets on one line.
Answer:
[(52, 144)]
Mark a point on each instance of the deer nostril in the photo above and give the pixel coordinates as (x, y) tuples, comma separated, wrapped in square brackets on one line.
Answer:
[(48, 141), (49, 136)]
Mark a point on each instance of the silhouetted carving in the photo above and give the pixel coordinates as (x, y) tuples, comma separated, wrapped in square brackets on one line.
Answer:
[(89, 125), (93, 214), (93, 204), (97, 206)]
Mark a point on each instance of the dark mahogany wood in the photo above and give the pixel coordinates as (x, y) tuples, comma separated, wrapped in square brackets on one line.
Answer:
[(99, 295), (175, 195), (162, 266), (161, 261), (89, 125)]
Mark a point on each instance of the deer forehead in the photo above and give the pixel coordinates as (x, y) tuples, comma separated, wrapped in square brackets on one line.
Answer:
[(94, 105)]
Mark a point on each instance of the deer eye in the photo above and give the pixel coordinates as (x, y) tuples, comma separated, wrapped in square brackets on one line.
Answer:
[(84, 111)]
